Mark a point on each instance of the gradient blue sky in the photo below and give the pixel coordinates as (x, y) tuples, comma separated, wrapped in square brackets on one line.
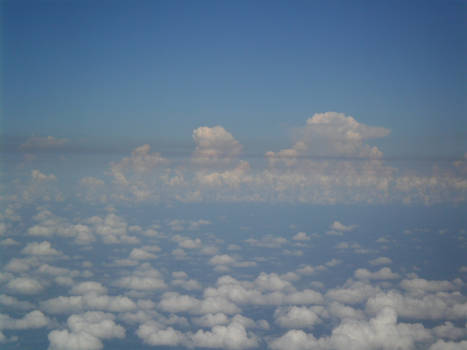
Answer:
[(109, 73)]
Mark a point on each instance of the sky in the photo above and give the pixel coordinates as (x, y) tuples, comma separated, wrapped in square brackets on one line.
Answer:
[(233, 175)]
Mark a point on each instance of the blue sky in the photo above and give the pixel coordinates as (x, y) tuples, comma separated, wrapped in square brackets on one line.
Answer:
[(272, 175), (115, 71)]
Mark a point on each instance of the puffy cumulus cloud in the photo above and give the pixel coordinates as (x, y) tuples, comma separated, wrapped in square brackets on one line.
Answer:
[(141, 161), (14, 303), (65, 340), (91, 181), (223, 262), (381, 332), (112, 229), (25, 285), (33, 319), (332, 134), (337, 228), (233, 336), (49, 224), (266, 289), (98, 324), (40, 177), (214, 146), (384, 274), (301, 236), (21, 265), (187, 243), (175, 302), (441, 305), (223, 259), (88, 301), (181, 280), (342, 311), (267, 241), (449, 331), (153, 333), (449, 345), (43, 143), (422, 286), (352, 292), (141, 254), (132, 176), (297, 340), (89, 287), (272, 281), (40, 249), (145, 279), (296, 317), (86, 332), (232, 178)]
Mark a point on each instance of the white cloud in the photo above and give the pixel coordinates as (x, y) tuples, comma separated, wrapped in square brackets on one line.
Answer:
[(25, 285), (442, 305), (43, 143), (141, 254), (89, 287), (450, 331), (214, 146), (154, 334), (86, 332), (89, 301), (65, 340), (332, 134), (422, 286), (233, 336), (40, 249), (40, 177), (12, 302), (296, 317), (449, 345), (301, 236), (382, 332), (145, 278), (33, 319), (338, 226), (384, 274)]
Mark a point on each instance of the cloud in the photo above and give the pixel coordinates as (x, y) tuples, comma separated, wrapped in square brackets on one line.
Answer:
[(25, 285), (86, 332), (384, 274), (145, 278), (296, 317), (43, 143), (89, 287), (381, 332), (88, 301), (154, 334), (33, 319), (449, 345), (331, 134), (214, 146), (233, 336), (40, 249), (12, 302), (336, 225), (301, 236), (447, 306), (41, 177)]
